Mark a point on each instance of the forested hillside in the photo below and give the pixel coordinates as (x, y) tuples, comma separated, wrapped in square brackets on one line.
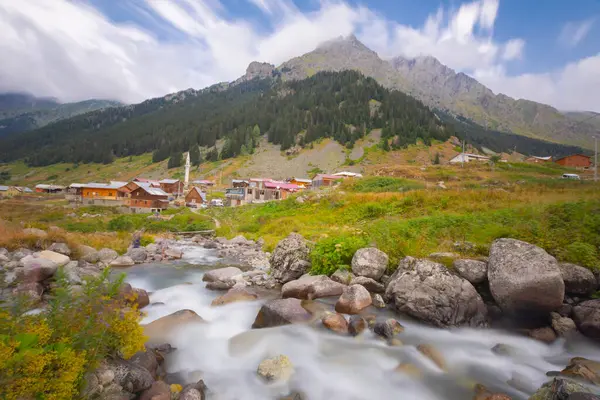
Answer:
[(339, 105)]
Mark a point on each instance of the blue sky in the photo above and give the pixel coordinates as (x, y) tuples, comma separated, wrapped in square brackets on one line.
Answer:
[(134, 49)]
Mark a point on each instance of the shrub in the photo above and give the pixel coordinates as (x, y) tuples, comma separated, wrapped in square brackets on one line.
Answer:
[(46, 355), (583, 254), (384, 184), (122, 223), (146, 240), (331, 253)]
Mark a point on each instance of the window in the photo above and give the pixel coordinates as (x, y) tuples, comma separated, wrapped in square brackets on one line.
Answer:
[(146, 202), (249, 191)]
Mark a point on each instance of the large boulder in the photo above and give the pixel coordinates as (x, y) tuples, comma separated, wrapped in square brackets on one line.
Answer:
[(31, 290), (281, 312), (122, 261), (233, 295), (221, 274), (524, 279), (146, 359), (427, 291), (290, 259), (370, 262), (88, 254), (353, 300), (71, 271), (36, 269), (369, 283), (138, 255), (587, 318), (59, 259), (174, 254), (160, 330), (579, 281), (130, 376), (61, 248), (106, 256), (276, 369), (193, 391), (311, 287), (472, 270)]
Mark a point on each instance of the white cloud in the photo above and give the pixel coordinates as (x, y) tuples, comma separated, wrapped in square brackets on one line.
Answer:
[(68, 49), (573, 33)]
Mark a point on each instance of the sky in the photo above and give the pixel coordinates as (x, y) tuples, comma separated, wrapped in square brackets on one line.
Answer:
[(132, 50)]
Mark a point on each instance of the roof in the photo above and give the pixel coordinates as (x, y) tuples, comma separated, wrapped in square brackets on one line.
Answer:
[(24, 189), (201, 193), (169, 181), (281, 185), (239, 181), (148, 188), (325, 176), (77, 185), (122, 183), (3, 188), (203, 182), (346, 173), (144, 180), (303, 180), (94, 185), (573, 155), (50, 187), (541, 158)]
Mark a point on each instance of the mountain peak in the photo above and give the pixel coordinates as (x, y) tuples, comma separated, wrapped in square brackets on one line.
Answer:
[(345, 43)]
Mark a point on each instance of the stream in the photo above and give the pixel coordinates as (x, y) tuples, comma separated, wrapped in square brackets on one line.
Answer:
[(225, 352)]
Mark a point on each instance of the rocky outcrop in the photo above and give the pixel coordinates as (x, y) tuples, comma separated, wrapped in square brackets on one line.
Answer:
[(311, 287), (524, 279), (579, 281), (587, 318), (427, 291), (472, 270), (290, 259), (281, 312), (370, 262), (353, 300)]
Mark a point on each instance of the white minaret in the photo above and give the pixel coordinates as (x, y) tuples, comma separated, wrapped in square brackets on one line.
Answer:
[(187, 171)]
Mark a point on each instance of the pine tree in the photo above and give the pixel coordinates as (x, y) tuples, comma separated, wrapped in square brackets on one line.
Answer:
[(385, 146), (175, 160), (195, 157), (436, 159)]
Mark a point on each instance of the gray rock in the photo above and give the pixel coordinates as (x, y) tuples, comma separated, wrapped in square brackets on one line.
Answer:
[(544, 334), (353, 300), (472, 270), (221, 274), (565, 310), (152, 248), (356, 325), (88, 254), (35, 232), (369, 283), (106, 256), (388, 329), (129, 375), (312, 287), (138, 255), (32, 290), (147, 360), (378, 301), (578, 280), (36, 269), (440, 256), (427, 291), (290, 259), (558, 389), (20, 254), (61, 248), (10, 265), (370, 262), (158, 391), (59, 259), (281, 312), (240, 240), (122, 261), (562, 325), (587, 318), (71, 271), (4, 251), (220, 285), (4, 259), (523, 278), (174, 254), (342, 276), (195, 391)]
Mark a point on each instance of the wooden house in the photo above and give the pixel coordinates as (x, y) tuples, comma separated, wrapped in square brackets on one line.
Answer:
[(148, 198), (172, 186), (538, 160), (195, 196), (301, 182), (103, 194), (325, 180), (203, 183), (575, 161), (468, 157)]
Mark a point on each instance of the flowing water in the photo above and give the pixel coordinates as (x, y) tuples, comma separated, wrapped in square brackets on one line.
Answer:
[(225, 352)]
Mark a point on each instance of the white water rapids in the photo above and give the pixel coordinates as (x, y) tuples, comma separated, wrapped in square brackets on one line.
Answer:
[(329, 366)]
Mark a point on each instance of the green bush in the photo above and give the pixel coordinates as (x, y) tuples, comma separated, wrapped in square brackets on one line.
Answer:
[(583, 254), (123, 223), (145, 240), (331, 253)]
